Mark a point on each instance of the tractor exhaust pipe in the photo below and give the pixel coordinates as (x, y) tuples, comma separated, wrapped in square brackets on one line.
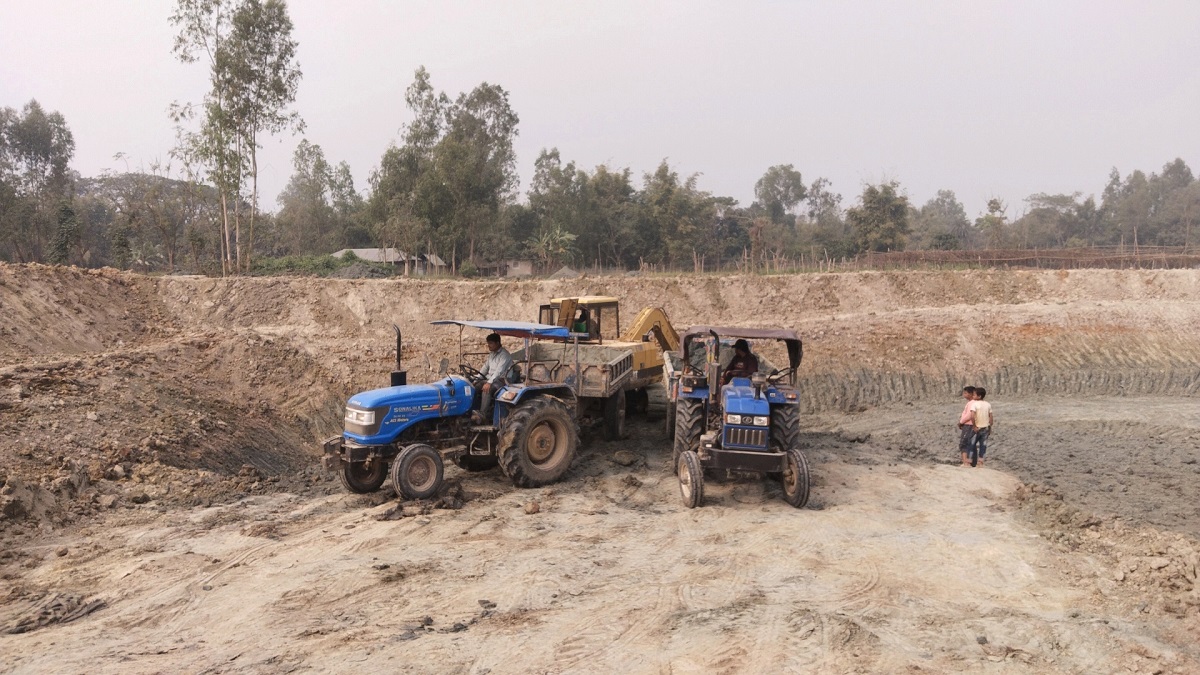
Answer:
[(399, 375)]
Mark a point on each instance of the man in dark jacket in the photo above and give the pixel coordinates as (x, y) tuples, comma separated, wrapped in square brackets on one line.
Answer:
[(743, 363)]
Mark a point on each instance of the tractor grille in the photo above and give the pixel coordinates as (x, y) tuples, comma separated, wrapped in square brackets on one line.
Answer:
[(745, 437)]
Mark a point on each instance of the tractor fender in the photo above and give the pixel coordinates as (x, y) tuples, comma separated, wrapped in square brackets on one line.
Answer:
[(527, 393)]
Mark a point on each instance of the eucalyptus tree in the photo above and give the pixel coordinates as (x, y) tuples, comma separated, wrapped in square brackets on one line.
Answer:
[(253, 78), (454, 171), (203, 29), (259, 71)]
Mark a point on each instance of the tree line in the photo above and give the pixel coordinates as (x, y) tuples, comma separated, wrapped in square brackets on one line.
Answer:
[(449, 186)]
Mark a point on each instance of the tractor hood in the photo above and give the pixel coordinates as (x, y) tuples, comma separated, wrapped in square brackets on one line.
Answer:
[(415, 398), (739, 399), (393, 409)]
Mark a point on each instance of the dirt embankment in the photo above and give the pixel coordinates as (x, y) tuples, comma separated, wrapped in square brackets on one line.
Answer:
[(100, 369)]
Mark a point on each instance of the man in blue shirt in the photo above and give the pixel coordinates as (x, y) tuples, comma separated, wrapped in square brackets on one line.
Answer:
[(495, 374)]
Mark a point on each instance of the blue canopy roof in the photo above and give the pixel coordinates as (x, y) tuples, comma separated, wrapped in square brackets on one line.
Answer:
[(519, 329)]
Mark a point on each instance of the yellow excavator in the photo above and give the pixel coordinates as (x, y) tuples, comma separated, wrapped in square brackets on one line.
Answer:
[(617, 371)]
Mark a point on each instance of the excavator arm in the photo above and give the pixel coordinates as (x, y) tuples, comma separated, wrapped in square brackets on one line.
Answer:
[(653, 321)]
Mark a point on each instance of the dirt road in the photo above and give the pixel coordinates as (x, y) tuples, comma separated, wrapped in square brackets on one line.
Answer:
[(903, 563), (182, 525)]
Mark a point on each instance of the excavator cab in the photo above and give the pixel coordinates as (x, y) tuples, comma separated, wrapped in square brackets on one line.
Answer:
[(596, 315)]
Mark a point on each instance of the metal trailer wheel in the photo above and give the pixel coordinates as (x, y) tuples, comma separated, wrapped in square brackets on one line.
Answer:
[(364, 477), (538, 442), (417, 472), (637, 402), (614, 416), (691, 479), (795, 478), (670, 421)]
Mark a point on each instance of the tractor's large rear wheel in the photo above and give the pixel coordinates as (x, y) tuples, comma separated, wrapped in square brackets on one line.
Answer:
[(691, 479), (614, 416), (538, 442), (364, 477), (689, 426), (417, 472)]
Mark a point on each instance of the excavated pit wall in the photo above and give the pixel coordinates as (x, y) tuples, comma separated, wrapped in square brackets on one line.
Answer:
[(300, 345), (870, 338)]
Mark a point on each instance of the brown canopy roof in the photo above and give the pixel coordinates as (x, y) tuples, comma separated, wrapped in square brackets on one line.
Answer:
[(795, 347), (751, 333)]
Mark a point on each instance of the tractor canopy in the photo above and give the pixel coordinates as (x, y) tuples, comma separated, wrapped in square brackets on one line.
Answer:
[(517, 329), (795, 348)]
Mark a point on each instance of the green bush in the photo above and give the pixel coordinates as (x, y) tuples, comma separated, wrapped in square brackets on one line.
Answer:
[(306, 265)]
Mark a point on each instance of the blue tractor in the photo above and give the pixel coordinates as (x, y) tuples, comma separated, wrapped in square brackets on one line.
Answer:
[(404, 431), (738, 423)]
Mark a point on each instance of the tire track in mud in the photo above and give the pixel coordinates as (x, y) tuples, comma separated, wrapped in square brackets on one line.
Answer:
[(166, 612), (723, 584), (593, 641)]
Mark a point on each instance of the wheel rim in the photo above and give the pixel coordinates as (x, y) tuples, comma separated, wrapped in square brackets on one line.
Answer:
[(545, 441), (685, 480), (422, 474)]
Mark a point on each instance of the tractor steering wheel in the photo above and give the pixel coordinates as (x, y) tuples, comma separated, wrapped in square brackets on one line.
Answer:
[(469, 372), (777, 375)]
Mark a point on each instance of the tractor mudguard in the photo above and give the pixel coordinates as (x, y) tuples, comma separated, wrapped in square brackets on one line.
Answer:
[(514, 395)]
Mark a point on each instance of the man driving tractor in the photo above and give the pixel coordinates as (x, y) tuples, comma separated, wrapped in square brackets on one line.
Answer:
[(743, 363), (495, 374)]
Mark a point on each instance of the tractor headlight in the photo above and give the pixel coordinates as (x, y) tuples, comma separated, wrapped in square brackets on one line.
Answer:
[(762, 421), (733, 419), (361, 417)]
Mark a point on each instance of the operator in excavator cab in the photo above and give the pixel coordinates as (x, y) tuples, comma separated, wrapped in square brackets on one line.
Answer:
[(743, 363), (583, 323), (496, 371)]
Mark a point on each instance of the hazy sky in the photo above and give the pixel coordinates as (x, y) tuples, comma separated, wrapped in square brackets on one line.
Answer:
[(984, 98)]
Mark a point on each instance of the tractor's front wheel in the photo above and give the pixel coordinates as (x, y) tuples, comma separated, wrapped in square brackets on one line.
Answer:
[(689, 426), (364, 477), (691, 479), (795, 478), (538, 442), (417, 472)]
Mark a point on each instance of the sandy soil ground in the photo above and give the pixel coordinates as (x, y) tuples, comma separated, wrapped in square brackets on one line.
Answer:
[(162, 511)]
